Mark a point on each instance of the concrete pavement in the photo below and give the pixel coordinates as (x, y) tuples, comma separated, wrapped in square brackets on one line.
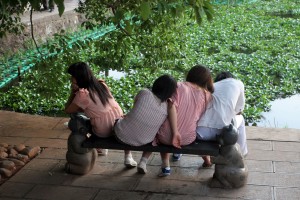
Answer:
[(273, 162)]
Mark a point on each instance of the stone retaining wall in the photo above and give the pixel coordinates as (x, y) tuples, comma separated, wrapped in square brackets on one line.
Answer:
[(43, 28)]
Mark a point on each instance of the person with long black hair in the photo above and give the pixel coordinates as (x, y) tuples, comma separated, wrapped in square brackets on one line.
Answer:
[(93, 97)]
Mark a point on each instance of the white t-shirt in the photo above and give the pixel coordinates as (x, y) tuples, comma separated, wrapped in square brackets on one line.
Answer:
[(228, 100)]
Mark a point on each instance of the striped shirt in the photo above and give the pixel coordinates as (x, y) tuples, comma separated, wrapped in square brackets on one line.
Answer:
[(190, 103), (142, 123)]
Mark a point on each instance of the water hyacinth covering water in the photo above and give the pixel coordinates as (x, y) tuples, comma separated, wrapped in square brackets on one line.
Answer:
[(258, 42)]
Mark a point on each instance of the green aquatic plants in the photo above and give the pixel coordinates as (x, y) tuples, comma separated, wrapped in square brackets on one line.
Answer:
[(14, 66), (259, 48)]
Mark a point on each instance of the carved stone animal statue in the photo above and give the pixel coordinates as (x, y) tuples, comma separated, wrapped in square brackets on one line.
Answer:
[(230, 169), (79, 160)]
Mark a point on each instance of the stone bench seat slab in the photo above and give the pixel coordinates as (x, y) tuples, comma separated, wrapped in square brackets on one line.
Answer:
[(196, 148)]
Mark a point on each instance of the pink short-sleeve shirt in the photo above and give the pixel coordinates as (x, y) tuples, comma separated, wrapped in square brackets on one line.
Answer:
[(190, 103), (102, 117)]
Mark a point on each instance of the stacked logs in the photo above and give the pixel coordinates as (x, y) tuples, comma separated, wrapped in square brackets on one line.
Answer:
[(13, 157)]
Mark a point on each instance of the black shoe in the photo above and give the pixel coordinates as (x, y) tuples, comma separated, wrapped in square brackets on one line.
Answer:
[(51, 9)]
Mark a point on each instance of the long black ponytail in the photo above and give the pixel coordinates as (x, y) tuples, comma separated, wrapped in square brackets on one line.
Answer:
[(85, 79)]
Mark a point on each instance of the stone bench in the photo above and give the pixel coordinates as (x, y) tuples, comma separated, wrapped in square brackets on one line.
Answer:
[(196, 148), (230, 169), (80, 123)]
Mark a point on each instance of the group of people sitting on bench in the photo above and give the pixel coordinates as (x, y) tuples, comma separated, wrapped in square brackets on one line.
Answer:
[(169, 113)]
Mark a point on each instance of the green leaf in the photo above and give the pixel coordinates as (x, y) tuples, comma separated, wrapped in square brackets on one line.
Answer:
[(60, 6), (192, 2), (197, 15), (128, 27), (119, 15), (145, 10)]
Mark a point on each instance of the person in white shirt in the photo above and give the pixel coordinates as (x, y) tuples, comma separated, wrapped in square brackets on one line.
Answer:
[(226, 107)]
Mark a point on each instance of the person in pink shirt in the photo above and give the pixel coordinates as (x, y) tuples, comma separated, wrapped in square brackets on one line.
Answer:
[(184, 110), (94, 98)]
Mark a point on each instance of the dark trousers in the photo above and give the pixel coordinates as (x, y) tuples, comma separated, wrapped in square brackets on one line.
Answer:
[(48, 4)]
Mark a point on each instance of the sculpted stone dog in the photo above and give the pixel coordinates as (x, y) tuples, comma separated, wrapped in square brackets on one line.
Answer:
[(79, 160), (230, 169)]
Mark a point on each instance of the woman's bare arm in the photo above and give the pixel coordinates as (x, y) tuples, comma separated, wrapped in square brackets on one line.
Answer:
[(172, 116)]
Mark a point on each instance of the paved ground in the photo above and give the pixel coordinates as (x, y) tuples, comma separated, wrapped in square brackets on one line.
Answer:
[(273, 162), (70, 5)]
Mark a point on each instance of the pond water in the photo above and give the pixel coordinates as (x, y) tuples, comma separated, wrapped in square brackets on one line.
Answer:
[(114, 74), (284, 113)]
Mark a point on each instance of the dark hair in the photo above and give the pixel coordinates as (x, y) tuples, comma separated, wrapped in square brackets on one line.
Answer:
[(201, 76), (223, 75), (164, 87), (85, 79)]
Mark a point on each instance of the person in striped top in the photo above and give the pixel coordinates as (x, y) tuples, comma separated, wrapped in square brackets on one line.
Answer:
[(141, 124), (184, 110), (149, 111)]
